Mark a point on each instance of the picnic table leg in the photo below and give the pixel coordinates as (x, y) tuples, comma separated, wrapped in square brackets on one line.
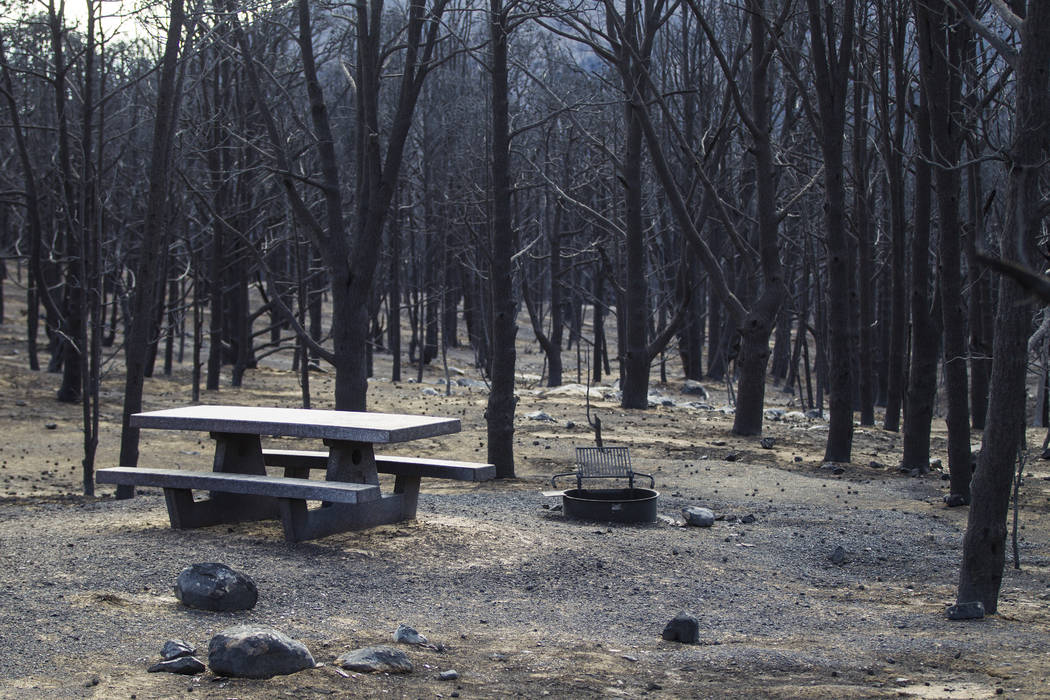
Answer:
[(352, 461), (301, 523), (238, 453), (185, 513), (408, 488)]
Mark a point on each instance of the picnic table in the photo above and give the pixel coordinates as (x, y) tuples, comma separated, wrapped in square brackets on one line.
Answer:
[(240, 488)]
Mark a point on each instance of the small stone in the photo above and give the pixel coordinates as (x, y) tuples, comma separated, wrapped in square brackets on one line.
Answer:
[(683, 628), (215, 587), (20, 402), (449, 675), (540, 416), (407, 635), (747, 519), (838, 556), (377, 659), (174, 648), (694, 388), (248, 651), (732, 457), (184, 665), (50, 426), (569, 425), (700, 517), (935, 464), (767, 443), (966, 611)]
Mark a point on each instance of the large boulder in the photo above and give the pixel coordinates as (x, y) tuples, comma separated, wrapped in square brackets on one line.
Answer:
[(249, 651), (216, 587)]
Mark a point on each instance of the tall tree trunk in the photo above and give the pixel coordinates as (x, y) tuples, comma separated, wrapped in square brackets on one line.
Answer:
[(832, 76), (941, 42), (984, 544), (499, 414), (155, 235), (925, 322)]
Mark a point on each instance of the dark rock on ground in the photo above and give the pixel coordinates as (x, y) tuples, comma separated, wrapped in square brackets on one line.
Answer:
[(838, 556), (184, 665), (216, 587), (700, 517), (378, 659), (249, 651), (683, 628), (174, 648), (408, 635), (966, 611)]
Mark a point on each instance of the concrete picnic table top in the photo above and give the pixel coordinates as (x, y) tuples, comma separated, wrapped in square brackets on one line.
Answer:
[(353, 426)]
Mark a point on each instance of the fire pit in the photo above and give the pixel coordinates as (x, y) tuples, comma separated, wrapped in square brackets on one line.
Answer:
[(632, 505), (621, 505)]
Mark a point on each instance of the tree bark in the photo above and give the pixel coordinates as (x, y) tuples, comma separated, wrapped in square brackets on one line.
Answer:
[(984, 544), (155, 235), (499, 413)]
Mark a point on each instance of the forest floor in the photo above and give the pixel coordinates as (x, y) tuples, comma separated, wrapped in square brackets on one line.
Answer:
[(524, 602)]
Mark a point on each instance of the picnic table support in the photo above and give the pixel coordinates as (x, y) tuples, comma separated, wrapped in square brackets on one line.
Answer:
[(219, 508), (301, 523), (235, 453)]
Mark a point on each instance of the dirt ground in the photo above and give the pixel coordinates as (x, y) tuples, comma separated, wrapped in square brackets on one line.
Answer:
[(523, 602)]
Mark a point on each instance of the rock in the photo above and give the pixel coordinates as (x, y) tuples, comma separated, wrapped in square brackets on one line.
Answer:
[(936, 464), (185, 665), (732, 457), (838, 556), (471, 383), (814, 413), (694, 388), (747, 519), (774, 414), (249, 651), (174, 648), (407, 635), (569, 425), (215, 587), (767, 443), (378, 659), (540, 416), (50, 426), (700, 517), (449, 675), (683, 628), (795, 416), (966, 611), (431, 392)]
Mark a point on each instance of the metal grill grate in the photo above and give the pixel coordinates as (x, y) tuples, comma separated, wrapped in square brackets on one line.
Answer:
[(603, 463)]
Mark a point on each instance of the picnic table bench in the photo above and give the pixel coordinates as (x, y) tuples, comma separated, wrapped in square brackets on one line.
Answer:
[(242, 490)]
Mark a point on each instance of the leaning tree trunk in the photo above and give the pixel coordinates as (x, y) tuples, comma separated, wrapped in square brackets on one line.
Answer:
[(984, 545)]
